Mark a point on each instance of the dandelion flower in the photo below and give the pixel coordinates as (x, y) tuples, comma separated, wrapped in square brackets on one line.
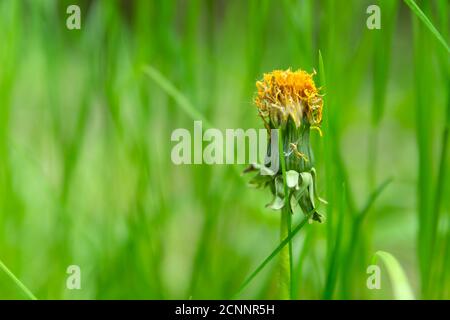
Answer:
[(284, 95), (290, 102)]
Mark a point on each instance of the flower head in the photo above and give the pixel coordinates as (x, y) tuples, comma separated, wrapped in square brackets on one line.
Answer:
[(290, 105), (289, 94)]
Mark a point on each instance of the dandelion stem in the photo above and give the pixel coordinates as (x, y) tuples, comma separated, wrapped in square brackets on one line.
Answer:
[(286, 263), (285, 257)]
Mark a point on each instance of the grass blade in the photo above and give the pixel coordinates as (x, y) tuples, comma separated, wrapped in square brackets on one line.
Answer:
[(372, 199), (332, 273), (419, 13), (19, 283), (180, 98), (423, 100), (274, 253), (381, 66), (400, 284)]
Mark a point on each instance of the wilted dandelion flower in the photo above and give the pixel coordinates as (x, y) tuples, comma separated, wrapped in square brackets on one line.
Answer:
[(289, 95), (290, 102)]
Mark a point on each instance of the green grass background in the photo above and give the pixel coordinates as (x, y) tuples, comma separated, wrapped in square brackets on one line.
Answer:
[(85, 170)]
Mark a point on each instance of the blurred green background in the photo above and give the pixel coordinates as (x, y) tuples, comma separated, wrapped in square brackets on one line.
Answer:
[(85, 171)]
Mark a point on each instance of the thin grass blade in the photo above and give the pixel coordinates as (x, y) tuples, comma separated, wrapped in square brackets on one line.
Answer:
[(400, 284), (274, 253), (19, 283), (419, 13), (179, 97)]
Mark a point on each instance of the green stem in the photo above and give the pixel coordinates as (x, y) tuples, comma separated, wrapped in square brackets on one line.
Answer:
[(27, 291), (285, 257), (286, 263)]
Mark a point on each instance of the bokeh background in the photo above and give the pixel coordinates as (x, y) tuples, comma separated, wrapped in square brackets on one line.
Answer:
[(86, 118)]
